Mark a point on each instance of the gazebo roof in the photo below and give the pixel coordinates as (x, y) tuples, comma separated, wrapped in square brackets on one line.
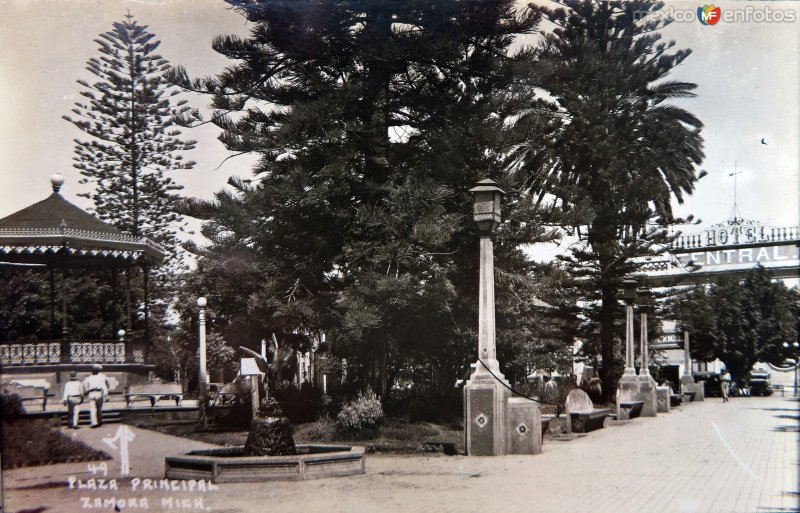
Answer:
[(54, 226)]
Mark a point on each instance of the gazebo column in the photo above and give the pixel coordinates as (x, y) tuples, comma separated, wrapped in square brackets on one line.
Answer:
[(64, 322), (145, 284), (128, 309), (52, 280), (114, 299)]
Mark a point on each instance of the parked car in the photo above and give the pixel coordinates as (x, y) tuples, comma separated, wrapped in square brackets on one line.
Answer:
[(712, 381), (760, 384)]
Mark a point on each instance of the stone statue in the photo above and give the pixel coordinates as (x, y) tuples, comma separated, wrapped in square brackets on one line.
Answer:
[(270, 431)]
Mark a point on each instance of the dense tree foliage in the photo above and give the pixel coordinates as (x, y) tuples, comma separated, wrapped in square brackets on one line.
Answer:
[(32, 308), (740, 321), (372, 120), (617, 150)]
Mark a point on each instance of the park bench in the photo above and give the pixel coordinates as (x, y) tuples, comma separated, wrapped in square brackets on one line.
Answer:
[(552, 420), (584, 417), (688, 396), (28, 392), (674, 399), (154, 392), (448, 448), (630, 409)]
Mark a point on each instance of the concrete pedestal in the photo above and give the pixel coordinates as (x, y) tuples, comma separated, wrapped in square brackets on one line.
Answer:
[(627, 391), (485, 410), (700, 391), (524, 427), (699, 388), (687, 384), (662, 399), (647, 393)]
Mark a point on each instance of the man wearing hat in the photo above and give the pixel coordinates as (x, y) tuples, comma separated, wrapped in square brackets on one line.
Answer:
[(96, 388), (72, 397)]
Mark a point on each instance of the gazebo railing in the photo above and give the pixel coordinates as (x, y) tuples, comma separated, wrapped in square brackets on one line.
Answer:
[(44, 352)]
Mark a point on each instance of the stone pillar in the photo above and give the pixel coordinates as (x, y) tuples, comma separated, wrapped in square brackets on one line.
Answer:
[(487, 349), (630, 368), (203, 369), (647, 385), (628, 386), (687, 380), (255, 401), (485, 397)]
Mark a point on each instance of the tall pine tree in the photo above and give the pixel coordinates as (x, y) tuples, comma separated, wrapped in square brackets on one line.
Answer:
[(130, 114), (372, 121)]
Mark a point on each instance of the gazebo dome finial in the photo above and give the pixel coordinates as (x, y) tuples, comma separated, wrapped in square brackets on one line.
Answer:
[(57, 180)]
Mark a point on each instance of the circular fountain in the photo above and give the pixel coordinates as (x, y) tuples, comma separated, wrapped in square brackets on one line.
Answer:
[(269, 454)]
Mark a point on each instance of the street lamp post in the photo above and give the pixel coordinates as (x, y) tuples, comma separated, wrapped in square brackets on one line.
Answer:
[(647, 385), (794, 346), (629, 295), (486, 213), (643, 295), (201, 322), (485, 396), (628, 386)]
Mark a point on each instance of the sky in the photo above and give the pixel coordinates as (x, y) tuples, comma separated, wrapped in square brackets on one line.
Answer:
[(747, 75)]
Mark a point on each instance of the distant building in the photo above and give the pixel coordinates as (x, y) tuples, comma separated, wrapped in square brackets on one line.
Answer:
[(731, 248)]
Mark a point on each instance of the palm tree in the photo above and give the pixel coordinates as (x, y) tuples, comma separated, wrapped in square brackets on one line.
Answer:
[(610, 149)]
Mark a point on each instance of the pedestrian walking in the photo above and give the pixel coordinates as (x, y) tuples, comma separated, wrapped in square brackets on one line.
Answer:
[(723, 384), (96, 388), (72, 398)]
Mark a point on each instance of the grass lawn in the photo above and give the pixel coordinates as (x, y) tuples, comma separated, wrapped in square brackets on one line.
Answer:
[(29, 442)]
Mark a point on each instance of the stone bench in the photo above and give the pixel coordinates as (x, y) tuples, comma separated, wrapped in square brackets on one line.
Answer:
[(154, 392), (688, 396), (675, 400), (584, 417), (28, 393), (630, 409)]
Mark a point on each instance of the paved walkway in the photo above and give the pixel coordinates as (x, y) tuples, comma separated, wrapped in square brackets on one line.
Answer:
[(708, 457)]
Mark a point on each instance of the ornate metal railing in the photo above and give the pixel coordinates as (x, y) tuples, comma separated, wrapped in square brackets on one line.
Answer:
[(48, 352)]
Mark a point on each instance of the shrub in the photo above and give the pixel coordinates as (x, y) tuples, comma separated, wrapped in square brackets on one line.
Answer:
[(329, 407), (298, 404), (364, 412), (10, 407)]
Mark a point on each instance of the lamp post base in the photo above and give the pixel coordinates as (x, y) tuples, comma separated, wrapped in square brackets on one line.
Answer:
[(647, 393), (485, 412), (627, 391)]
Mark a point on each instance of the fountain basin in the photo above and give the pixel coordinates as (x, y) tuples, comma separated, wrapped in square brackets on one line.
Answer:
[(227, 465)]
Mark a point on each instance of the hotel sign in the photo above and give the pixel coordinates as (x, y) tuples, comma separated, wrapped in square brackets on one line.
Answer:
[(741, 234), (785, 254)]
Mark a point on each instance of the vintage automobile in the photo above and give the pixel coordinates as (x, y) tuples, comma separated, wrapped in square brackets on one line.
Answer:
[(712, 383), (760, 383)]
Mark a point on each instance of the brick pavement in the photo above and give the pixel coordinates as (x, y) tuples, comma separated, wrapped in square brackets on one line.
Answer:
[(705, 457)]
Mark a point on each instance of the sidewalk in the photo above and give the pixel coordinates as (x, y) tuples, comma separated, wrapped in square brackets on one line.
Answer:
[(704, 457)]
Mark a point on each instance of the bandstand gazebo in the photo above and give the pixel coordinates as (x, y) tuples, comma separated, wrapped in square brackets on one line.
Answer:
[(56, 236)]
